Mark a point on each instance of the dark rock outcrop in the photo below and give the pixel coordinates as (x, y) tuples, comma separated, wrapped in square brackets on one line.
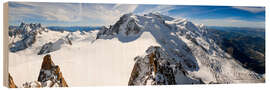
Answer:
[(46, 48), (156, 68), (54, 46)]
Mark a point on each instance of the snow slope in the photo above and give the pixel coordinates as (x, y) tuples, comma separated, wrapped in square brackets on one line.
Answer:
[(104, 62)]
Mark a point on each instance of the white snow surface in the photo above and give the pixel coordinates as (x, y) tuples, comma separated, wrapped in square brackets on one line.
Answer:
[(103, 62)]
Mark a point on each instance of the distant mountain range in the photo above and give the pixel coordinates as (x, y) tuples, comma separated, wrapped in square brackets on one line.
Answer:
[(260, 31), (247, 45), (243, 31), (67, 28), (74, 28), (237, 28)]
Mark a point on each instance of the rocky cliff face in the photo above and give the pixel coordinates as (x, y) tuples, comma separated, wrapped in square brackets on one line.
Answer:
[(51, 72), (157, 68)]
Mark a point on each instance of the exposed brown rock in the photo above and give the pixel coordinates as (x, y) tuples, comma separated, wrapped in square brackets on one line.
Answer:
[(47, 63), (60, 78), (151, 60), (51, 72), (11, 83), (134, 74)]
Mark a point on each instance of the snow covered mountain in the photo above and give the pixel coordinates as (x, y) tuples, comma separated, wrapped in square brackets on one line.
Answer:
[(24, 36), (137, 50), (186, 44), (41, 38)]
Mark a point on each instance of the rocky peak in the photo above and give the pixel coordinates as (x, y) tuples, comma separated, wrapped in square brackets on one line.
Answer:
[(103, 32), (116, 27), (29, 28), (35, 26), (157, 68), (127, 25), (51, 72), (47, 63)]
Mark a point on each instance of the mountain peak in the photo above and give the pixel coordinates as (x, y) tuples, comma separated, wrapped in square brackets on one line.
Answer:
[(26, 28), (51, 72), (131, 25), (25, 35), (184, 42)]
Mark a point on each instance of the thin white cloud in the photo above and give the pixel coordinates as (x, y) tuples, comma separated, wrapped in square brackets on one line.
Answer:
[(164, 9), (107, 14), (230, 22), (70, 12), (251, 9), (49, 11)]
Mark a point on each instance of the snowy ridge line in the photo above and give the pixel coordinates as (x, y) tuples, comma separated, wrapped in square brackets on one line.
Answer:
[(185, 42)]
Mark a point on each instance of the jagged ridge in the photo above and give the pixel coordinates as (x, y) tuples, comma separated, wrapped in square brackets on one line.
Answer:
[(24, 36)]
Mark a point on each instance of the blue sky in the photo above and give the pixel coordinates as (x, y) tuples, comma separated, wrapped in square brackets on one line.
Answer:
[(90, 14)]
